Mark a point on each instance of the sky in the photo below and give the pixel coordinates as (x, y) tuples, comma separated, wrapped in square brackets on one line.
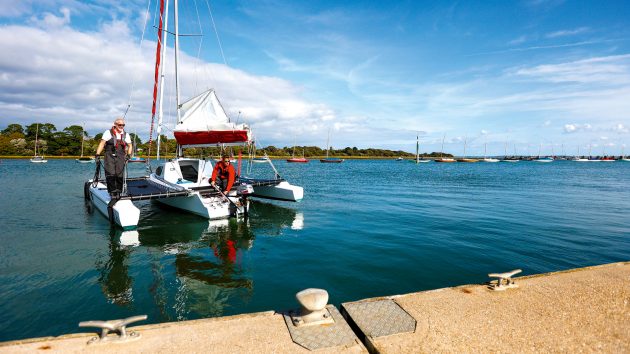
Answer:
[(485, 76)]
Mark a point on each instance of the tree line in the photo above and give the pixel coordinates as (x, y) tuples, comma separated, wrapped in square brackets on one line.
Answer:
[(16, 140)]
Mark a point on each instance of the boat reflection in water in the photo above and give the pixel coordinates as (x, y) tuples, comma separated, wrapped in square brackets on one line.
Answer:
[(189, 268), (114, 271)]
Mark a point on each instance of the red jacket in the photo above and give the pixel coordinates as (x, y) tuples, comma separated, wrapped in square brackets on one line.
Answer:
[(224, 171)]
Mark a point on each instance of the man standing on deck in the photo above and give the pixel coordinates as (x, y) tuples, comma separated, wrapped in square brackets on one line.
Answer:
[(224, 171), (118, 148)]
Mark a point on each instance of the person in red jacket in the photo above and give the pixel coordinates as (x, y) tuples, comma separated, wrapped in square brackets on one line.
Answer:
[(223, 173)]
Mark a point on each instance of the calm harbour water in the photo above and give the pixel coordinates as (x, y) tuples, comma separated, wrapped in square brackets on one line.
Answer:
[(364, 229)]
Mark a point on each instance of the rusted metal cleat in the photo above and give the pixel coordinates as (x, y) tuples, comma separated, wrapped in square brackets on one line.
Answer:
[(509, 282), (117, 326)]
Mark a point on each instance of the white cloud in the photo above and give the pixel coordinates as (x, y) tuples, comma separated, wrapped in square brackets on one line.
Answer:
[(620, 128), (573, 128), (570, 128), (566, 33), (604, 70), (64, 76)]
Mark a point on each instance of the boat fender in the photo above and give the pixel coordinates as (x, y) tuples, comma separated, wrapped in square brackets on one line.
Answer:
[(245, 189), (110, 209), (86, 191)]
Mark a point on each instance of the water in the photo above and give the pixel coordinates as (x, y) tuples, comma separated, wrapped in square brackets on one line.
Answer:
[(364, 229)]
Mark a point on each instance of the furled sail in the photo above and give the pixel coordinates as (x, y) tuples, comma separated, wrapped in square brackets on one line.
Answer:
[(204, 123)]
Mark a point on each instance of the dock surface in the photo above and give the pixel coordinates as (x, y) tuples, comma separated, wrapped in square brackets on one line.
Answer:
[(584, 310)]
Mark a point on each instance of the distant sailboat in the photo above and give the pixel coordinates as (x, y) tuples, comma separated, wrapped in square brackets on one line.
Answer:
[(133, 157), (623, 157), (418, 160), (505, 156), (485, 152), (590, 157), (579, 158), (294, 159), (329, 159), (442, 158), (83, 159), (36, 158), (464, 158), (543, 159)]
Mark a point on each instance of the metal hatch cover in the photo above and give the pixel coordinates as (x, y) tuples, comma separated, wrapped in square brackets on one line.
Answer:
[(323, 336), (379, 318)]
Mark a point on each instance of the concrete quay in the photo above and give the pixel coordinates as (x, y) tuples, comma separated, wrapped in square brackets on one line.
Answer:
[(584, 310)]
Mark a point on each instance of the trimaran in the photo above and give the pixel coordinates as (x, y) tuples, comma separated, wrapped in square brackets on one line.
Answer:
[(182, 182)]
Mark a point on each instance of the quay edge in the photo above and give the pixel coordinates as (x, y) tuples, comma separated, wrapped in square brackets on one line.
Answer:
[(577, 310)]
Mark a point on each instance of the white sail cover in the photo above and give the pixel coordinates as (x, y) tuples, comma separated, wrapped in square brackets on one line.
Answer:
[(204, 123)]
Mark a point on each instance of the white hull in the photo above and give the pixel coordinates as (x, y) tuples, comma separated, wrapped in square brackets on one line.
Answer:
[(282, 191), (490, 160), (544, 160), (125, 213), (38, 160), (209, 208)]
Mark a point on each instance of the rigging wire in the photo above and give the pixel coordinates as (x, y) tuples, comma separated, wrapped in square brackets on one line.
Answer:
[(216, 32), (199, 47)]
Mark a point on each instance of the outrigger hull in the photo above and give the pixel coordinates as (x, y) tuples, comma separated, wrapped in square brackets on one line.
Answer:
[(210, 208), (123, 212), (274, 189)]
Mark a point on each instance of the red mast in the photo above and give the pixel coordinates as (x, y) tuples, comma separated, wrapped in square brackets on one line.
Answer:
[(157, 73)]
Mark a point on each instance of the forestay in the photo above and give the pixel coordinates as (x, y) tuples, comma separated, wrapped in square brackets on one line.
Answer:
[(204, 123)]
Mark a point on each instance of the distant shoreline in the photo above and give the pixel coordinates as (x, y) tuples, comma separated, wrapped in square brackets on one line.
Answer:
[(244, 158)]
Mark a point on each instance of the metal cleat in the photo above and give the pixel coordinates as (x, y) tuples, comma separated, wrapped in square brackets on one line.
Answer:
[(118, 326), (313, 308), (509, 283)]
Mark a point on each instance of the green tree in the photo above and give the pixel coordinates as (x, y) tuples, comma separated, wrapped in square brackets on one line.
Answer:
[(13, 128)]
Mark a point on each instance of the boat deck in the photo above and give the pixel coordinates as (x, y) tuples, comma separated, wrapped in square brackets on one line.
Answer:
[(143, 188)]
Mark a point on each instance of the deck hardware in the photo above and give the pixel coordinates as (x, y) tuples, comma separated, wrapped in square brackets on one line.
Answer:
[(313, 308), (118, 326), (507, 276)]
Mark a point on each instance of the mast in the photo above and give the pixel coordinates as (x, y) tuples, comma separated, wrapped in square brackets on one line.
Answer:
[(36, 133), (328, 143), (442, 149), (417, 148), (465, 140), (156, 75), (160, 110), (82, 134), (179, 152)]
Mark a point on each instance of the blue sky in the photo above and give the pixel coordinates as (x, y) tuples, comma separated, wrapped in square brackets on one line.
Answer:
[(531, 74)]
